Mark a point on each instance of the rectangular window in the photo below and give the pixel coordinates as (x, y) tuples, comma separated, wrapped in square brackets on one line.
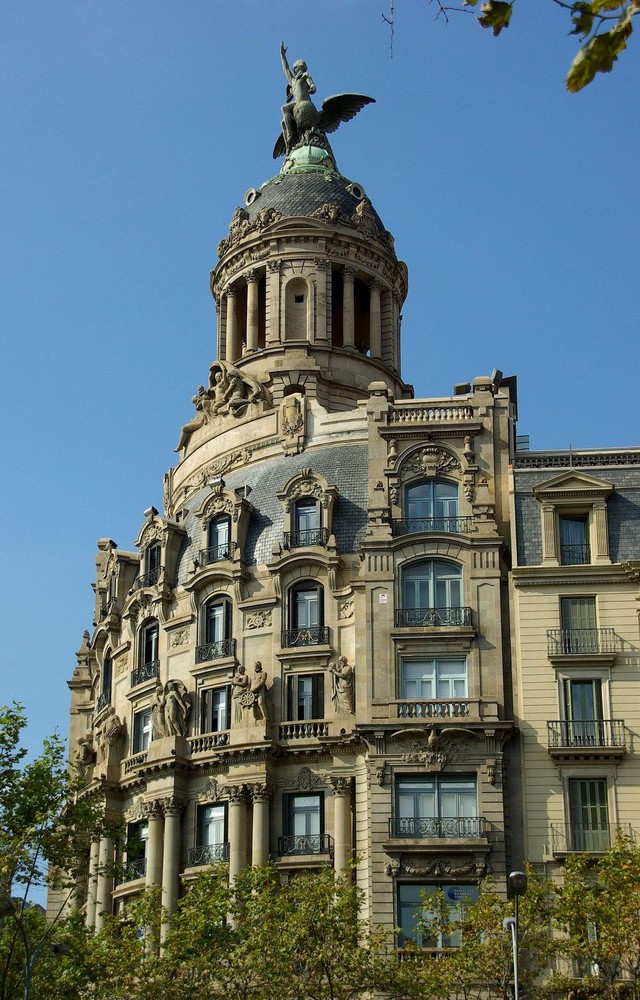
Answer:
[(416, 913), (427, 680), (153, 558), (211, 825), (578, 621), (215, 710), (142, 730), (574, 541), (437, 806), (588, 814), (305, 697), (304, 824), (583, 712)]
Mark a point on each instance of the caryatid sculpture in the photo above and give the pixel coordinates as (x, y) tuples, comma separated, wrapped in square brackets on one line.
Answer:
[(302, 123)]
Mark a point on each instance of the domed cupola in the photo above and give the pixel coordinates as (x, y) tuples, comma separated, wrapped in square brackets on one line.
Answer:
[(308, 287)]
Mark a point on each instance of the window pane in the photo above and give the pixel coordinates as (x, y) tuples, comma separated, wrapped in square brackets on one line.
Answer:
[(215, 622), (219, 533), (306, 516), (578, 612), (305, 815), (306, 608), (212, 825), (429, 679)]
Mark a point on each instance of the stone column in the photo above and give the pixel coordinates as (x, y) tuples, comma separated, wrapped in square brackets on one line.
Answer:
[(237, 830), (105, 882), (272, 318), (323, 277), (233, 334), (600, 535), (348, 332), (252, 310), (375, 320), (153, 875), (260, 796), (172, 809), (341, 821), (92, 889)]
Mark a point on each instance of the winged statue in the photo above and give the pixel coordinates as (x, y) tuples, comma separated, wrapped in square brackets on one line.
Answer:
[(300, 115)]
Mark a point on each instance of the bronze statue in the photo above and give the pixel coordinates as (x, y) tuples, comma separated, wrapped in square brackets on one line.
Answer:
[(301, 120)]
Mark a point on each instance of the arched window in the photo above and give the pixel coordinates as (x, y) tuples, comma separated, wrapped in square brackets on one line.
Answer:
[(216, 631), (305, 614), (431, 505), (104, 698), (432, 594), (219, 543), (148, 661)]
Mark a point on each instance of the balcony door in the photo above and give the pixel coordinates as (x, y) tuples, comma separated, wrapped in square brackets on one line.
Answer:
[(583, 712), (578, 620), (589, 817), (432, 505)]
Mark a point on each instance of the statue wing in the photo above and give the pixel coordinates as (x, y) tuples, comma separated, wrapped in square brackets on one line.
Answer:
[(280, 148), (341, 108)]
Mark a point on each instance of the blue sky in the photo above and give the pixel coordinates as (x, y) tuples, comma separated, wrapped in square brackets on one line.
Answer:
[(132, 128)]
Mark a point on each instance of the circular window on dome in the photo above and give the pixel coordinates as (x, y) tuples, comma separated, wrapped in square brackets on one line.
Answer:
[(356, 190), (251, 196)]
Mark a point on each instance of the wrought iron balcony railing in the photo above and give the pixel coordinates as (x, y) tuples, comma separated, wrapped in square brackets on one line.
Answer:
[(575, 555), (307, 536), (312, 635), (590, 733), (409, 525), (217, 553), (145, 672), (207, 855), (432, 617), (453, 827), (215, 650), (315, 844), (567, 837), (148, 579), (103, 700), (303, 730), (107, 608), (433, 709), (581, 640), (131, 871)]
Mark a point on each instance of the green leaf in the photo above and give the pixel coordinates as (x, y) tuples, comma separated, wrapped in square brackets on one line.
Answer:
[(599, 54), (582, 17), (496, 15)]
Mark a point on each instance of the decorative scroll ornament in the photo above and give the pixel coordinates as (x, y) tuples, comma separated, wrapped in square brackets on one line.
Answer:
[(346, 609), (430, 461), (136, 811), (210, 792), (305, 780), (438, 867), (258, 619), (180, 637), (241, 226)]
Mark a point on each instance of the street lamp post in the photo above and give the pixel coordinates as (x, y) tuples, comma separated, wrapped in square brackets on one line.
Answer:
[(516, 886)]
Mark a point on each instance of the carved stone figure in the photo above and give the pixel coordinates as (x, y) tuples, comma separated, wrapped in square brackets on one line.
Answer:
[(259, 690), (342, 694), (302, 123), (157, 712), (86, 756), (232, 391), (241, 684), (202, 403), (176, 708)]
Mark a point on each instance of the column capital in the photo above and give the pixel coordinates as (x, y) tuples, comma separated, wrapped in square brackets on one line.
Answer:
[(231, 292), (237, 793), (173, 805), (152, 809), (323, 263), (251, 276), (260, 792), (376, 285), (349, 272), (341, 784), (273, 266)]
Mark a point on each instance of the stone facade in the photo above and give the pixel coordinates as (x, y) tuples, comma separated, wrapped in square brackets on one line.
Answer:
[(306, 656)]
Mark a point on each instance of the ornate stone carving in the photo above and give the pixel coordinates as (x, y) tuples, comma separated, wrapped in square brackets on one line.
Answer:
[(172, 805), (341, 785), (232, 391), (440, 867), (328, 212), (242, 226), (237, 793), (258, 619), (346, 609), (430, 461), (381, 774), (180, 637), (170, 708), (260, 792), (210, 792), (136, 811), (85, 756), (364, 219), (305, 780), (342, 693), (293, 423)]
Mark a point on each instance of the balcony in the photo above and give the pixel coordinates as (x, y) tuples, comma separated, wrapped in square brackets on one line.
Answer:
[(145, 672), (599, 738), (107, 608), (435, 709), (581, 641), (217, 553), (410, 525), (148, 579), (307, 730), (311, 635), (575, 555), (433, 617), (568, 837), (131, 764), (216, 650), (452, 828), (131, 871), (207, 855), (209, 741), (103, 701), (308, 536), (316, 844)]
